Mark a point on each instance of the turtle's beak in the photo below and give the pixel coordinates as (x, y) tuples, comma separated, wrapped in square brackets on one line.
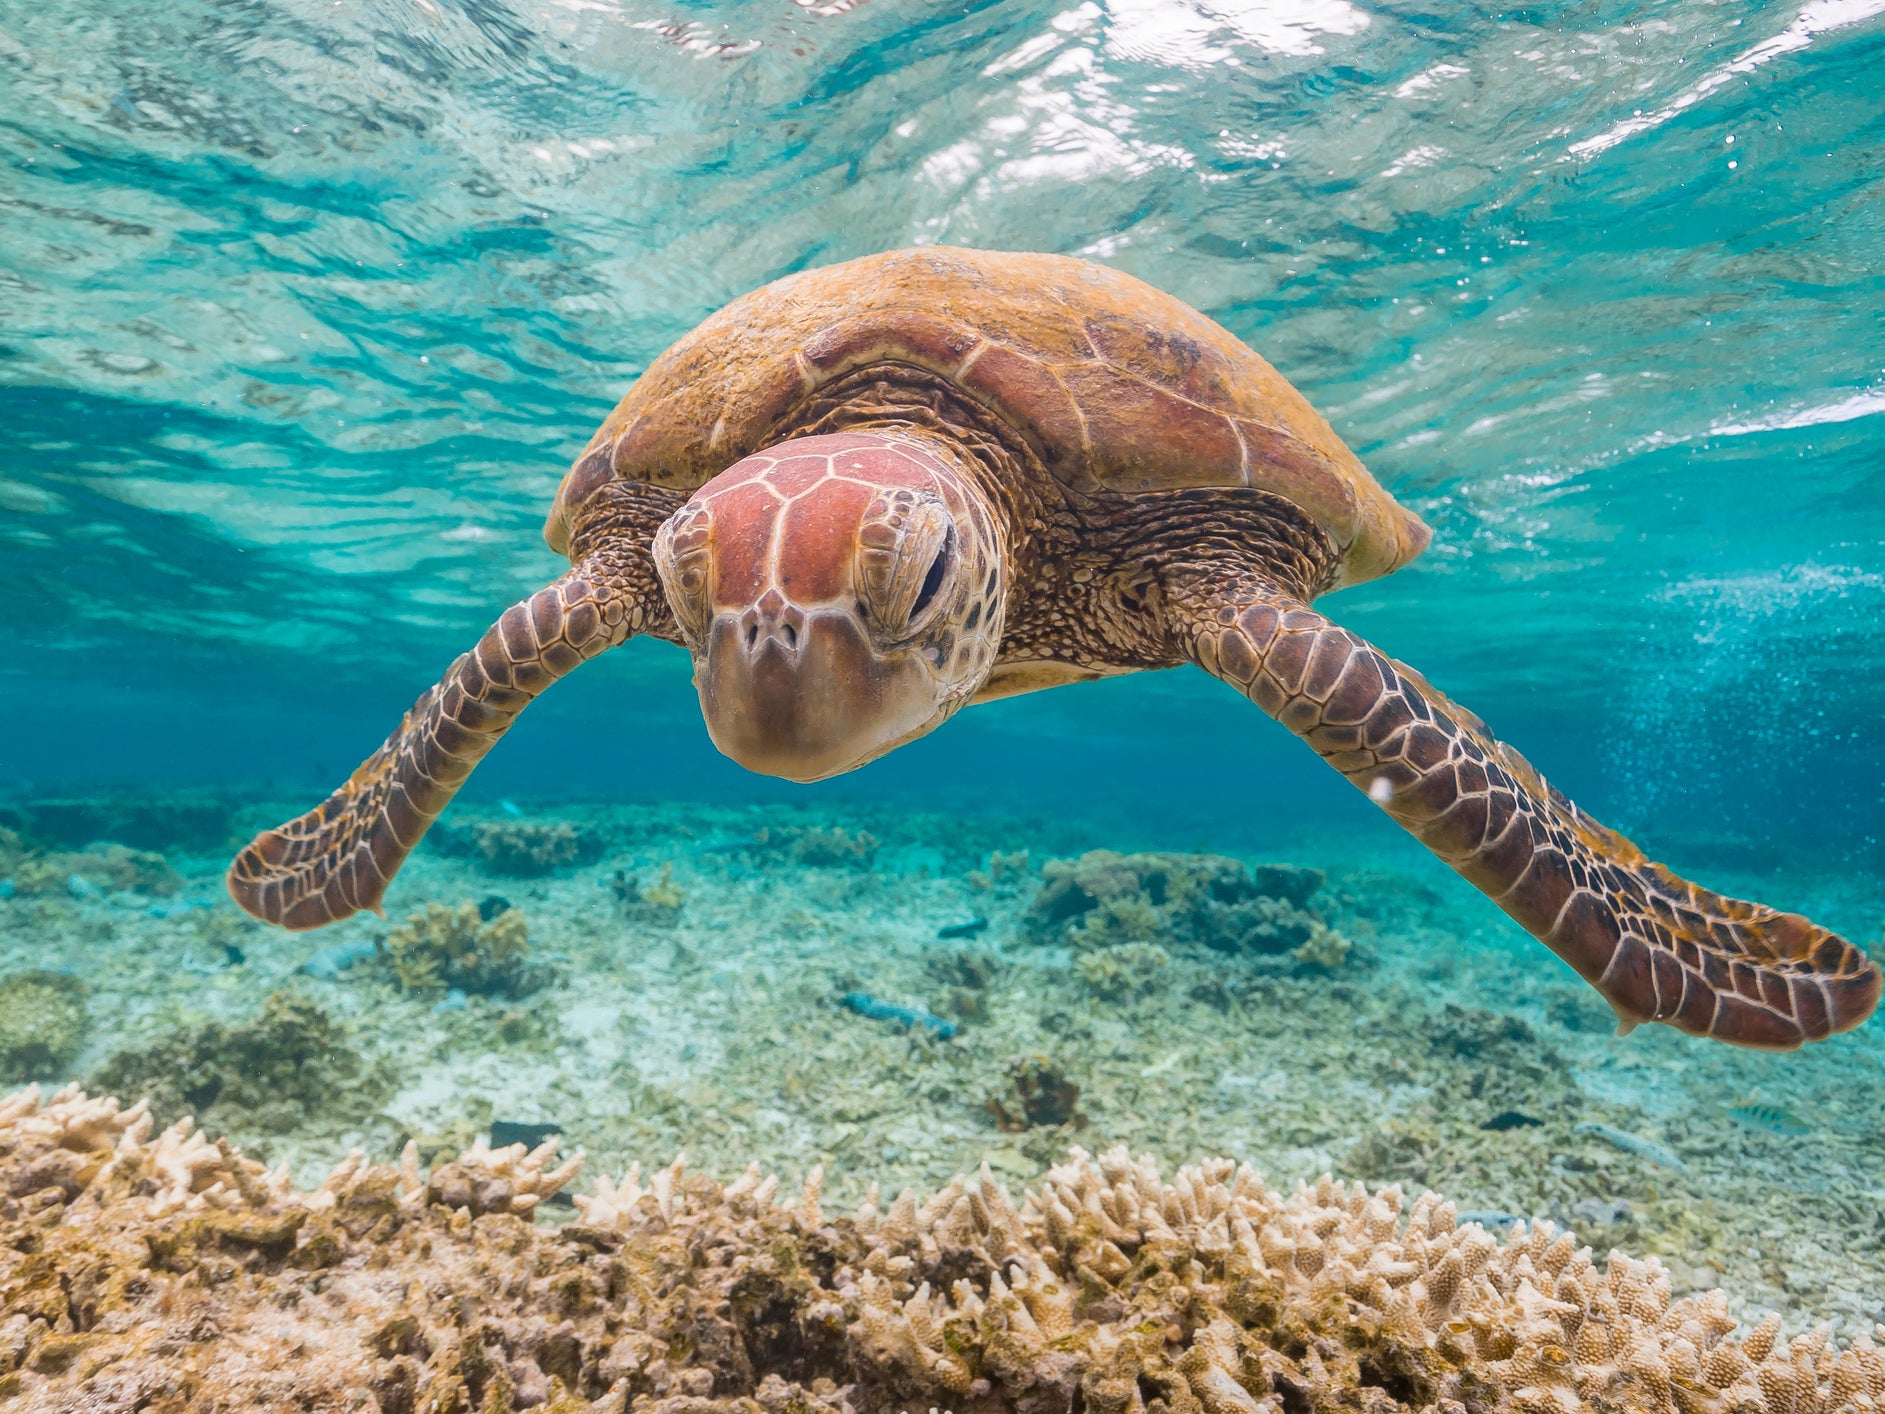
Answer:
[(804, 694), (840, 595)]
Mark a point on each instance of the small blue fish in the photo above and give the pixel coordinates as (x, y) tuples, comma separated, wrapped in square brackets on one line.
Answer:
[(455, 1000), (1771, 1119), (509, 807), (864, 1004)]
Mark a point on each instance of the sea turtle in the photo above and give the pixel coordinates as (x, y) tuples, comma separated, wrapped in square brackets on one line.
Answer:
[(867, 495)]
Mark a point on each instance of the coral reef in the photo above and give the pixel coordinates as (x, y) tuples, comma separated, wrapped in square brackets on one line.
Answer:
[(42, 1023), (1324, 950), (1005, 873), (24, 870), (104, 866), (1104, 899), (1039, 1094), (519, 849), (152, 821), (817, 845), (965, 975), (457, 950), (659, 903), (160, 1271), (265, 1075), (1123, 972)]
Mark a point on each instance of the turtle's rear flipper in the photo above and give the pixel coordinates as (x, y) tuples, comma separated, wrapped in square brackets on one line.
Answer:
[(1658, 947), (338, 858)]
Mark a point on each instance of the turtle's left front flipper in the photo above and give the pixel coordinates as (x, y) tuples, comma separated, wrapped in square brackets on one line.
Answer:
[(1658, 947), (339, 857)]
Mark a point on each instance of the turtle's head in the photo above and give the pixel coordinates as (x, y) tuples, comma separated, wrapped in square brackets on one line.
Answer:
[(841, 595)]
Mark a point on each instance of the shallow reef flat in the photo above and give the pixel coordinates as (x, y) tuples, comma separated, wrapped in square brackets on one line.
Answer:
[(159, 1271), (656, 979)]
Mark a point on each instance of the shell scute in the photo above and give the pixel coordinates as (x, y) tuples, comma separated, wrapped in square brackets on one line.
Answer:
[(1038, 404), (939, 345), (1154, 438), (1168, 358), (1116, 386)]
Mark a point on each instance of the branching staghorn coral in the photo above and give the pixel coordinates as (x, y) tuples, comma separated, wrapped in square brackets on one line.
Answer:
[(165, 1272)]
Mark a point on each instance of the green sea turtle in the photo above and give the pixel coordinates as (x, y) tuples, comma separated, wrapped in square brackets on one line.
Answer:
[(865, 496)]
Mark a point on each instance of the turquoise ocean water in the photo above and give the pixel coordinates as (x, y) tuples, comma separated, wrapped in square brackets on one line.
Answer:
[(306, 306)]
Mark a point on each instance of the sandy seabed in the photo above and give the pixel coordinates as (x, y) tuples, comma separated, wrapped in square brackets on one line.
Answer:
[(684, 996)]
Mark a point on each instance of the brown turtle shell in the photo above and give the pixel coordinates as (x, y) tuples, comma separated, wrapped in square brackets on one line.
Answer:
[(1117, 386)]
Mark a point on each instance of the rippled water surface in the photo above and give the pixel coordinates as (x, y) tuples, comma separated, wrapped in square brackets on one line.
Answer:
[(305, 306)]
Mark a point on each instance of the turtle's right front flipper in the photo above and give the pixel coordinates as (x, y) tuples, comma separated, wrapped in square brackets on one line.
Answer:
[(1658, 947), (339, 857)]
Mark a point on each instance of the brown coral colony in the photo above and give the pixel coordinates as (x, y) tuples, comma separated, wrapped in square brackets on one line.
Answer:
[(161, 1271)]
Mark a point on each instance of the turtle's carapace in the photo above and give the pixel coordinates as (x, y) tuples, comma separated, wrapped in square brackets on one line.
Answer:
[(866, 495)]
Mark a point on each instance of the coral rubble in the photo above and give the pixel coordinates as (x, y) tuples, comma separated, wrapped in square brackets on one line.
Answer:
[(143, 1270)]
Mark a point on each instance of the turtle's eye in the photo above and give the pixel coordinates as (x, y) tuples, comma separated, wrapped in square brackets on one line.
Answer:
[(683, 553), (933, 581), (907, 552)]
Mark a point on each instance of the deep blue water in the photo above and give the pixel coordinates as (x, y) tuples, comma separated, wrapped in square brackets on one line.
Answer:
[(305, 307)]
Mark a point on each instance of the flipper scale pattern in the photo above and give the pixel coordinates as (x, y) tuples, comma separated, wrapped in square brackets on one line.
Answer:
[(1658, 947), (339, 857)]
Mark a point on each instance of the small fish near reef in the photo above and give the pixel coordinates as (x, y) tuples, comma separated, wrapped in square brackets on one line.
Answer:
[(1648, 1150), (844, 564), (864, 1004), (1511, 1119), (975, 927), (1769, 1119)]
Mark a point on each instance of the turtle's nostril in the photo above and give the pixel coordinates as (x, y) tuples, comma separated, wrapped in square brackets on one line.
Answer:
[(790, 635), (752, 634)]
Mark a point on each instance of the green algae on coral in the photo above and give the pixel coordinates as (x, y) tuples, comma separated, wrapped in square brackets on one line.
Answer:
[(42, 1024), (1039, 1095), (816, 846)]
